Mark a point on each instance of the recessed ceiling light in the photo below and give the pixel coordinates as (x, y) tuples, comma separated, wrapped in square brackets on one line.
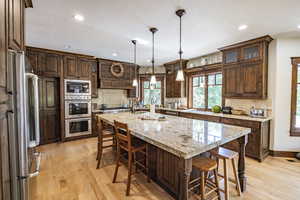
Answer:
[(67, 47), (115, 54), (78, 17), (148, 60), (141, 41), (298, 26), (243, 27)]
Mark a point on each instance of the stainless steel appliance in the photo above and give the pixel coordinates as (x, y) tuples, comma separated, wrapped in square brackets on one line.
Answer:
[(78, 127), (75, 88), (78, 108), (22, 127)]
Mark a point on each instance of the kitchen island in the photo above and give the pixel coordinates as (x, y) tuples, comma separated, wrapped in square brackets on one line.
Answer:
[(173, 144)]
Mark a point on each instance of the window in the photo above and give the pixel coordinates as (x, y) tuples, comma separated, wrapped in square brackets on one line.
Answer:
[(206, 90), (154, 95), (295, 105)]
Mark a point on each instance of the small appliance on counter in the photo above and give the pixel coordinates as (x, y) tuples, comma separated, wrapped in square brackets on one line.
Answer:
[(258, 112), (227, 110)]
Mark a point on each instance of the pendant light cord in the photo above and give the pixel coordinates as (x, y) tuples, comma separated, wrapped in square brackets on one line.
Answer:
[(135, 71), (152, 53), (180, 41)]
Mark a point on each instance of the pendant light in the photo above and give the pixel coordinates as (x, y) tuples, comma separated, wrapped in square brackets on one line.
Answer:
[(135, 82), (180, 75), (153, 78)]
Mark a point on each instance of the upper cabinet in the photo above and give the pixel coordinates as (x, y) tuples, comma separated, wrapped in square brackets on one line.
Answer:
[(94, 79), (43, 63), (115, 74), (245, 69), (174, 89), (77, 67), (16, 24)]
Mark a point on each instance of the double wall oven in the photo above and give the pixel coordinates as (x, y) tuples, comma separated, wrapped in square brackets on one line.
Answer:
[(77, 108)]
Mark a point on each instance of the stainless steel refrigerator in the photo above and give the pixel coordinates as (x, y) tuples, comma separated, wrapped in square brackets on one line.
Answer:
[(23, 125)]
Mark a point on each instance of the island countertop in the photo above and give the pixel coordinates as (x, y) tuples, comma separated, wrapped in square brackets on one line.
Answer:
[(182, 137)]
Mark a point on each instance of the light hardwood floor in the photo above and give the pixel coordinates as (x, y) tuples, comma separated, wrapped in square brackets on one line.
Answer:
[(68, 172)]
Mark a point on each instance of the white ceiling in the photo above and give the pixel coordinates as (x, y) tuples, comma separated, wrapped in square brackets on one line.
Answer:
[(110, 25)]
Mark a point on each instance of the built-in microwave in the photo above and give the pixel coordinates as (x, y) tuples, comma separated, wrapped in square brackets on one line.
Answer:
[(77, 88), (78, 108), (78, 127)]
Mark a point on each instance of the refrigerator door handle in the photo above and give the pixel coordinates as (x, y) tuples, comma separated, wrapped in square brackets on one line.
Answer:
[(38, 164)]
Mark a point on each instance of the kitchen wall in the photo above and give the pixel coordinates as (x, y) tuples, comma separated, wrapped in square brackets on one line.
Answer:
[(111, 97), (284, 48)]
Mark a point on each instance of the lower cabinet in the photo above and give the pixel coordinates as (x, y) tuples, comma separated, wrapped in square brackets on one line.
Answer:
[(49, 126)]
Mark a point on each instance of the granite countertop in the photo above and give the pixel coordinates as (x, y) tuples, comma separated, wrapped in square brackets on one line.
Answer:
[(182, 137), (243, 117)]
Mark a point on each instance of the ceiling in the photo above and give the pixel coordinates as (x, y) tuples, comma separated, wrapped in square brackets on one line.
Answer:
[(109, 25)]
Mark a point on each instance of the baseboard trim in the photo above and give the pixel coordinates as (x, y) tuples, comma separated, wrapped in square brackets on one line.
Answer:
[(283, 154)]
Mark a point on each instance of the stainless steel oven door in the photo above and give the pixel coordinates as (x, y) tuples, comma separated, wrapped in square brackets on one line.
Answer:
[(77, 87), (78, 127), (78, 108)]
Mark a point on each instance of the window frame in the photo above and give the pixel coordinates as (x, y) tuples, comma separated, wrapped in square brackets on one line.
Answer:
[(295, 64), (204, 73), (147, 78)]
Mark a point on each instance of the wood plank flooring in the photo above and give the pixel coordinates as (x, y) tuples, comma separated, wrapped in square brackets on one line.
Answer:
[(68, 172)]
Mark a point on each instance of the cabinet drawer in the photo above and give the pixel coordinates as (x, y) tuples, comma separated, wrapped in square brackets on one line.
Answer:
[(239, 122)]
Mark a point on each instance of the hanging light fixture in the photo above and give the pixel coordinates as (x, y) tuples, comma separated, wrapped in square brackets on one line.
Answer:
[(153, 78), (180, 74), (135, 82)]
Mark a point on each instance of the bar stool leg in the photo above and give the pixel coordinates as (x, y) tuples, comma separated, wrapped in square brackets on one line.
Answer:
[(129, 173), (237, 181), (202, 185), (147, 163), (226, 188), (99, 156), (217, 183), (117, 164)]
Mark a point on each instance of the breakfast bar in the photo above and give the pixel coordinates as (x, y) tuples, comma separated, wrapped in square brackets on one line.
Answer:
[(174, 142)]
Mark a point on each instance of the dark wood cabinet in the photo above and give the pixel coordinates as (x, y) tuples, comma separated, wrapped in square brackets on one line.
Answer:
[(70, 67), (43, 63), (84, 68), (174, 89), (16, 24), (94, 79), (49, 110), (245, 69), (132, 93), (110, 81)]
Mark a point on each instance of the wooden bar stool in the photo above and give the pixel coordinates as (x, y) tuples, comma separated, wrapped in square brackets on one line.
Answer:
[(226, 154), (126, 143), (104, 136), (206, 165)]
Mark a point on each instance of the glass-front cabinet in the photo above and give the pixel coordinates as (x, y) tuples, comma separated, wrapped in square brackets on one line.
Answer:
[(231, 56), (252, 53)]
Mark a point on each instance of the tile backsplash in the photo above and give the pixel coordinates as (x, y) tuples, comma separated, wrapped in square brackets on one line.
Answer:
[(111, 97), (247, 104)]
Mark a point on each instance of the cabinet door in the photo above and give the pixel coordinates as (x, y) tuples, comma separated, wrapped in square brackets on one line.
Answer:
[(16, 24), (70, 67), (132, 93), (251, 52), (32, 62), (49, 110), (84, 69), (232, 81), (52, 65), (94, 83), (252, 80), (231, 56), (169, 83)]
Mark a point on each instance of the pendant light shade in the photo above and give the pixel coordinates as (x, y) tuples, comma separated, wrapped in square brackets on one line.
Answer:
[(180, 74), (153, 78), (135, 82)]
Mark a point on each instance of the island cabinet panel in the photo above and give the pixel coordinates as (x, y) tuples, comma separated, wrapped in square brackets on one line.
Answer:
[(16, 24), (245, 69)]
